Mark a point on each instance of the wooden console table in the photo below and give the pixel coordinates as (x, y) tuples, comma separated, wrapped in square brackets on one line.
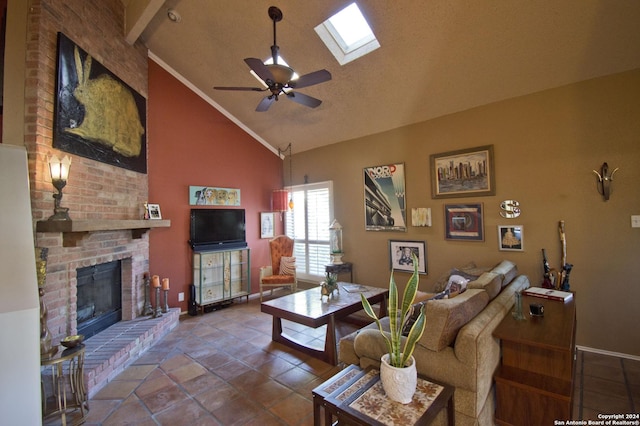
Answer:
[(534, 382)]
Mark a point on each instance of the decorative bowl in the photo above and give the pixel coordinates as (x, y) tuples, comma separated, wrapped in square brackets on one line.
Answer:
[(72, 341)]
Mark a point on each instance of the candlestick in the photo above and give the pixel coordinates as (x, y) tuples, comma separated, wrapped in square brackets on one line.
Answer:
[(147, 309), (165, 308), (155, 281), (165, 283), (158, 312)]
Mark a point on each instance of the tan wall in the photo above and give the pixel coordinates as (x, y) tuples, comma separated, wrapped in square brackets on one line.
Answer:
[(546, 146)]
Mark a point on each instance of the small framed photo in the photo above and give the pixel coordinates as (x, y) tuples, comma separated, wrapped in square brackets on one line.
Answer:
[(464, 222), (154, 211), (511, 238), (400, 255), (267, 224)]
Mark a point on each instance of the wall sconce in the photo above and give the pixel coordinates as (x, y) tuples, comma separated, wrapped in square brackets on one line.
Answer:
[(604, 180), (59, 170), (335, 237)]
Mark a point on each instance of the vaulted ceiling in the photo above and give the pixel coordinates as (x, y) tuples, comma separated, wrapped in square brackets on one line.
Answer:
[(437, 57)]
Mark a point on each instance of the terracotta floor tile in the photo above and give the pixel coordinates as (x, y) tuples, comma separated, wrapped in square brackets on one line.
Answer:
[(187, 372), (164, 398), (154, 385), (238, 411), (248, 380), (214, 398), (100, 409), (295, 378), (117, 389), (202, 383), (136, 372), (275, 367), (131, 412), (188, 412), (268, 393), (292, 409), (231, 370)]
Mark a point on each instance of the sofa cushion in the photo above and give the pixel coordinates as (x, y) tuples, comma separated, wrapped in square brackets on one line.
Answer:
[(414, 311), (508, 270), (469, 271), (444, 317), (489, 282)]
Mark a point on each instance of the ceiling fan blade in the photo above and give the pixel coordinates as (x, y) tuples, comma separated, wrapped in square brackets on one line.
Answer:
[(303, 99), (265, 103), (253, 89), (310, 79), (259, 68)]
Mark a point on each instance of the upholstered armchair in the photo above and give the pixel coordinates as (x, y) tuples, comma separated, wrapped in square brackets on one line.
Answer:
[(282, 272)]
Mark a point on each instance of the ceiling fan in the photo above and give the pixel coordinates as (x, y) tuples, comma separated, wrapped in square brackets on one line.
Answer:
[(278, 77)]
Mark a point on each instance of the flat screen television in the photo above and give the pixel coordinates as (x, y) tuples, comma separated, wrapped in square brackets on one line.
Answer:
[(213, 229)]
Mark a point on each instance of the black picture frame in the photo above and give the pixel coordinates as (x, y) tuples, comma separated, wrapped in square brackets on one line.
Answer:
[(400, 255), (96, 114)]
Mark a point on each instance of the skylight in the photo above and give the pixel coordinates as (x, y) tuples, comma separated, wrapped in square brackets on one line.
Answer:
[(347, 34)]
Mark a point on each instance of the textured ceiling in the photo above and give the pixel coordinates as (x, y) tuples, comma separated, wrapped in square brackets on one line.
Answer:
[(437, 57)]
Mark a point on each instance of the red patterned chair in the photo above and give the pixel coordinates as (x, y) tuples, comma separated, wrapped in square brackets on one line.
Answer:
[(282, 272)]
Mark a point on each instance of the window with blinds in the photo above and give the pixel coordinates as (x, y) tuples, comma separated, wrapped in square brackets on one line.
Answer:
[(308, 224)]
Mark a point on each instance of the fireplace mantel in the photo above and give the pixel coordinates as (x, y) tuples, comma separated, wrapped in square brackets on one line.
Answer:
[(74, 230)]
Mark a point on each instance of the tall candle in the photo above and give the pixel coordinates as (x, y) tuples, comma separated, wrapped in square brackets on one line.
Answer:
[(155, 280), (165, 283)]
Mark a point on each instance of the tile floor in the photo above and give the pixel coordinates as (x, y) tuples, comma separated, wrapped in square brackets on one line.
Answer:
[(221, 368)]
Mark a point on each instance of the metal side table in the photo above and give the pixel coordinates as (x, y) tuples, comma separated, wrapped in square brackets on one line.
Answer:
[(66, 395)]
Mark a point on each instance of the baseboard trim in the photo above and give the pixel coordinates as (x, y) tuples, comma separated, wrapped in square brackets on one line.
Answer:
[(609, 353)]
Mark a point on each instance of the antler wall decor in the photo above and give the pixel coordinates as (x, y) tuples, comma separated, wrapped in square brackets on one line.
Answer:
[(605, 179)]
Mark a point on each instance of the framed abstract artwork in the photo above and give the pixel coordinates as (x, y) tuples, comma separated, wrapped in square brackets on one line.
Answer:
[(400, 255), (464, 222), (463, 173), (384, 198)]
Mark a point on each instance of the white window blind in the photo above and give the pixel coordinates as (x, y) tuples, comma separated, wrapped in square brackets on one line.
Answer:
[(308, 224)]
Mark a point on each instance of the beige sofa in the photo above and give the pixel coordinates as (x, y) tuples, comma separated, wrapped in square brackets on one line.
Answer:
[(457, 347)]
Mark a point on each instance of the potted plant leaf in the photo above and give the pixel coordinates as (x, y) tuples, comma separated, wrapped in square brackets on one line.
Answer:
[(399, 359)]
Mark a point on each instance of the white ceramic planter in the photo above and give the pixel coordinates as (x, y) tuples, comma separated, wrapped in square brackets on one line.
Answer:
[(398, 383)]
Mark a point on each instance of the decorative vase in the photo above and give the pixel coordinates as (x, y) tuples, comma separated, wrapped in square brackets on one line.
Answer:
[(398, 383)]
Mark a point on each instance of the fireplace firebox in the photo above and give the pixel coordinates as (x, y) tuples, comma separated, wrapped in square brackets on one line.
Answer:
[(99, 293)]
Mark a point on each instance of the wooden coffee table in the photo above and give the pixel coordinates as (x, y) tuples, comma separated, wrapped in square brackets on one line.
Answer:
[(309, 309)]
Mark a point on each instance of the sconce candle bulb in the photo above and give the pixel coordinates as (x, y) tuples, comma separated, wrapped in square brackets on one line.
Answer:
[(59, 170)]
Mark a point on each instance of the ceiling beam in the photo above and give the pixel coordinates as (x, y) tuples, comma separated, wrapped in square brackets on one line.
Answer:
[(138, 14)]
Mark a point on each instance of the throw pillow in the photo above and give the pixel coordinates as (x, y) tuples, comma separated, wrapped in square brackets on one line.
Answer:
[(414, 312), (456, 285), (287, 265)]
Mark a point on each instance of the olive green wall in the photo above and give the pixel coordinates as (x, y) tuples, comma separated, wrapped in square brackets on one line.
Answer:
[(546, 146)]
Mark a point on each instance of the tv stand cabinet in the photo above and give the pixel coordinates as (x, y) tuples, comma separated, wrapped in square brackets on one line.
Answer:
[(220, 276), (534, 382)]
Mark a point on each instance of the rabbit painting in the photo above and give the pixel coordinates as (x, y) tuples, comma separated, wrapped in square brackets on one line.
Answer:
[(110, 112)]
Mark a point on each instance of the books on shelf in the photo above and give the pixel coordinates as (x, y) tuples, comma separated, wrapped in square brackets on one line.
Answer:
[(548, 293)]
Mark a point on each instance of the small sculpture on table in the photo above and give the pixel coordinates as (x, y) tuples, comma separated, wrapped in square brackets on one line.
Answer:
[(329, 285)]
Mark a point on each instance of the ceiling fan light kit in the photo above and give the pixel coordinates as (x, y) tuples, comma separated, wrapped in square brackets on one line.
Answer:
[(278, 78)]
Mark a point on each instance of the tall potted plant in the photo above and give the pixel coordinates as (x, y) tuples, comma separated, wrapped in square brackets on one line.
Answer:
[(398, 367)]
